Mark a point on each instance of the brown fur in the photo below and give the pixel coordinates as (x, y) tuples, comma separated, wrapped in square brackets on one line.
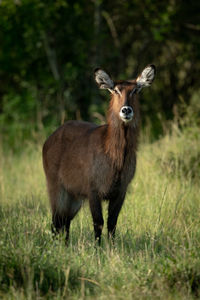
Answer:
[(82, 160)]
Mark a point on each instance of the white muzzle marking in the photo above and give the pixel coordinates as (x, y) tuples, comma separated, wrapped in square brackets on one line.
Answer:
[(126, 114)]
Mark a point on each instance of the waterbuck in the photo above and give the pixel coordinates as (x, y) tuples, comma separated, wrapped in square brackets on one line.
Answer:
[(83, 160)]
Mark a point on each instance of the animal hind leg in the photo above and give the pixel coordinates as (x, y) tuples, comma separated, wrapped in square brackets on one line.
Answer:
[(58, 223), (74, 205), (57, 199), (64, 208)]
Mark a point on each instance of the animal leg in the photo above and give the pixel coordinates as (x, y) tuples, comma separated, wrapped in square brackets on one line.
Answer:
[(58, 223), (64, 208), (96, 210), (73, 207), (114, 208), (58, 216)]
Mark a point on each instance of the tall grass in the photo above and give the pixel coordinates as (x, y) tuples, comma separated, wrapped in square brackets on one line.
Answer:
[(157, 249)]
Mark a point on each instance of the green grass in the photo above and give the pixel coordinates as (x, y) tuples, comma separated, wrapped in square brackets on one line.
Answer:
[(157, 249)]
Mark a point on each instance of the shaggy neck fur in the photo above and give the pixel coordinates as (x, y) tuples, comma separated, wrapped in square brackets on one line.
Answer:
[(121, 140)]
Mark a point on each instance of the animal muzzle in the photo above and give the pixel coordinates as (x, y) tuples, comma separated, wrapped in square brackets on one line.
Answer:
[(126, 113)]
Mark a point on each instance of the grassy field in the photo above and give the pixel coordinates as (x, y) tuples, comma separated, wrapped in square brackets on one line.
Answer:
[(157, 249)]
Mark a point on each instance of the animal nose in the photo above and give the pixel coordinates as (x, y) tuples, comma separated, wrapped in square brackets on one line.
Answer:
[(127, 110)]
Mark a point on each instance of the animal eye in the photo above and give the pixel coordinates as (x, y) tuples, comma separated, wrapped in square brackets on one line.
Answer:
[(117, 91)]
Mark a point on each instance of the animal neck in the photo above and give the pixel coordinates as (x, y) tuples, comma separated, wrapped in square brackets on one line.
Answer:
[(120, 142)]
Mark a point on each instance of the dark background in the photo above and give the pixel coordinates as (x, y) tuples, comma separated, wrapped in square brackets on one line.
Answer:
[(49, 49)]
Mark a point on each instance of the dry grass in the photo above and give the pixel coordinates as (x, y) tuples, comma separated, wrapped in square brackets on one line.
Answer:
[(157, 249)]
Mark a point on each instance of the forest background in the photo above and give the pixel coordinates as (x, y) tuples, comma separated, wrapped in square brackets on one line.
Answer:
[(49, 50)]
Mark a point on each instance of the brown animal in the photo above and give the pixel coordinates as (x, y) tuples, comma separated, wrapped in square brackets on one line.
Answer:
[(82, 160)]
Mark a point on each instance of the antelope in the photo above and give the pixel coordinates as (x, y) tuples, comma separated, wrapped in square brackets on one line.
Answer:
[(85, 161)]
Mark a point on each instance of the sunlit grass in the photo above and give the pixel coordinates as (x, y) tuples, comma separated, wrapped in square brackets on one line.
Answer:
[(157, 249)]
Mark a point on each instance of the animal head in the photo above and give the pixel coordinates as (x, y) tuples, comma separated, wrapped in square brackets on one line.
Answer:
[(124, 103)]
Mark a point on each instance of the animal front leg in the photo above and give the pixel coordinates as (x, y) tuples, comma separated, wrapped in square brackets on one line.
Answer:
[(114, 208), (96, 210)]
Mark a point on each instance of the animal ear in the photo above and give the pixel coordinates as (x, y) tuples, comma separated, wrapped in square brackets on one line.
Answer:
[(146, 77), (103, 80)]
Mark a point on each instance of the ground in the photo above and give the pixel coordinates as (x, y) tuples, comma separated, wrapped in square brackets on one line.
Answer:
[(157, 249)]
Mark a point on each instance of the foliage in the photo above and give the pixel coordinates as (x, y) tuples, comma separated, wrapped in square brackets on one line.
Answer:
[(49, 50), (156, 254)]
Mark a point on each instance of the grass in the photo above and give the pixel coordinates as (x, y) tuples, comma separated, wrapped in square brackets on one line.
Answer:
[(157, 249)]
